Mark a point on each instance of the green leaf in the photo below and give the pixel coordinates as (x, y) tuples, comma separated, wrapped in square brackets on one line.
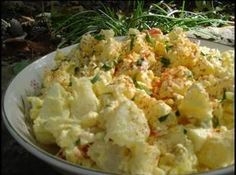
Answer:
[(20, 66), (165, 62), (99, 37), (95, 78), (163, 118)]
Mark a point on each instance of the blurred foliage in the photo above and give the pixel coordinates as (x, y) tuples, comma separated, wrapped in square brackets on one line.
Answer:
[(72, 23)]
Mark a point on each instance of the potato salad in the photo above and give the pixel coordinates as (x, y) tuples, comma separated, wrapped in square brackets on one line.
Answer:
[(144, 104)]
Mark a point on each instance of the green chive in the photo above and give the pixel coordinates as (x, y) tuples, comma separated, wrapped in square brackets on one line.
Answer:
[(55, 69), (139, 62), (163, 118), (99, 37), (77, 142), (177, 113), (215, 122), (77, 69), (133, 98), (203, 54), (189, 74), (142, 87), (185, 131), (168, 47), (149, 39), (106, 67), (132, 37), (95, 78), (165, 62), (224, 95)]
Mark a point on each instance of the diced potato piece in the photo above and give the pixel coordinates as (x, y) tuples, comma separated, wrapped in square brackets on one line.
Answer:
[(73, 154), (152, 108), (126, 125), (55, 103), (180, 160), (144, 159), (198, 136), (89, 120), (108, 156), (84, 99), (65, 130), (36, 103), (218, 150), (196, 103), (42, 135)]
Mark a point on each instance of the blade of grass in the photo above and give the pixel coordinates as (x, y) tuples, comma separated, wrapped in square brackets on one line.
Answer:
[(182, 9)]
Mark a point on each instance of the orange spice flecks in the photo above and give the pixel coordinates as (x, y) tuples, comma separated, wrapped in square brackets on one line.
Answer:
[(145, 54), (156, 84)]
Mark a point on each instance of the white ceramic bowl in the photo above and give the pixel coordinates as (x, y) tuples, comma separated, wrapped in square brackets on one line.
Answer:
[(27, 82)]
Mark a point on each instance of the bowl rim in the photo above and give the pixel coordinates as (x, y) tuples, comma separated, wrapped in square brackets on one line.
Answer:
[(36, 150), (64, 164)]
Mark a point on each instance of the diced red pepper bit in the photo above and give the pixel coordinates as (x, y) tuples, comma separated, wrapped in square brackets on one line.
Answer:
[(183, 121), (154, 133), (84, 150), (154, 31)]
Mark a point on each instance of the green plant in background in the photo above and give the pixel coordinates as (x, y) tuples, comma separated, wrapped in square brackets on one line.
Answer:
[(159, 15), (18, 66)]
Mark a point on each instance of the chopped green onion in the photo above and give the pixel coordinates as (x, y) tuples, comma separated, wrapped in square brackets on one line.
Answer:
[(177, 113), (185, 131), (168, 47), (77, 142), (106, 67), (165, 62), (163, 118), (203, 54), (132, 37), (133, 98), (139, 62), (224, 95), (55, 69), (95, 78), (149, 39), (215, 122), (142, 87), (99, 37), (148, 91), (77, 69)]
